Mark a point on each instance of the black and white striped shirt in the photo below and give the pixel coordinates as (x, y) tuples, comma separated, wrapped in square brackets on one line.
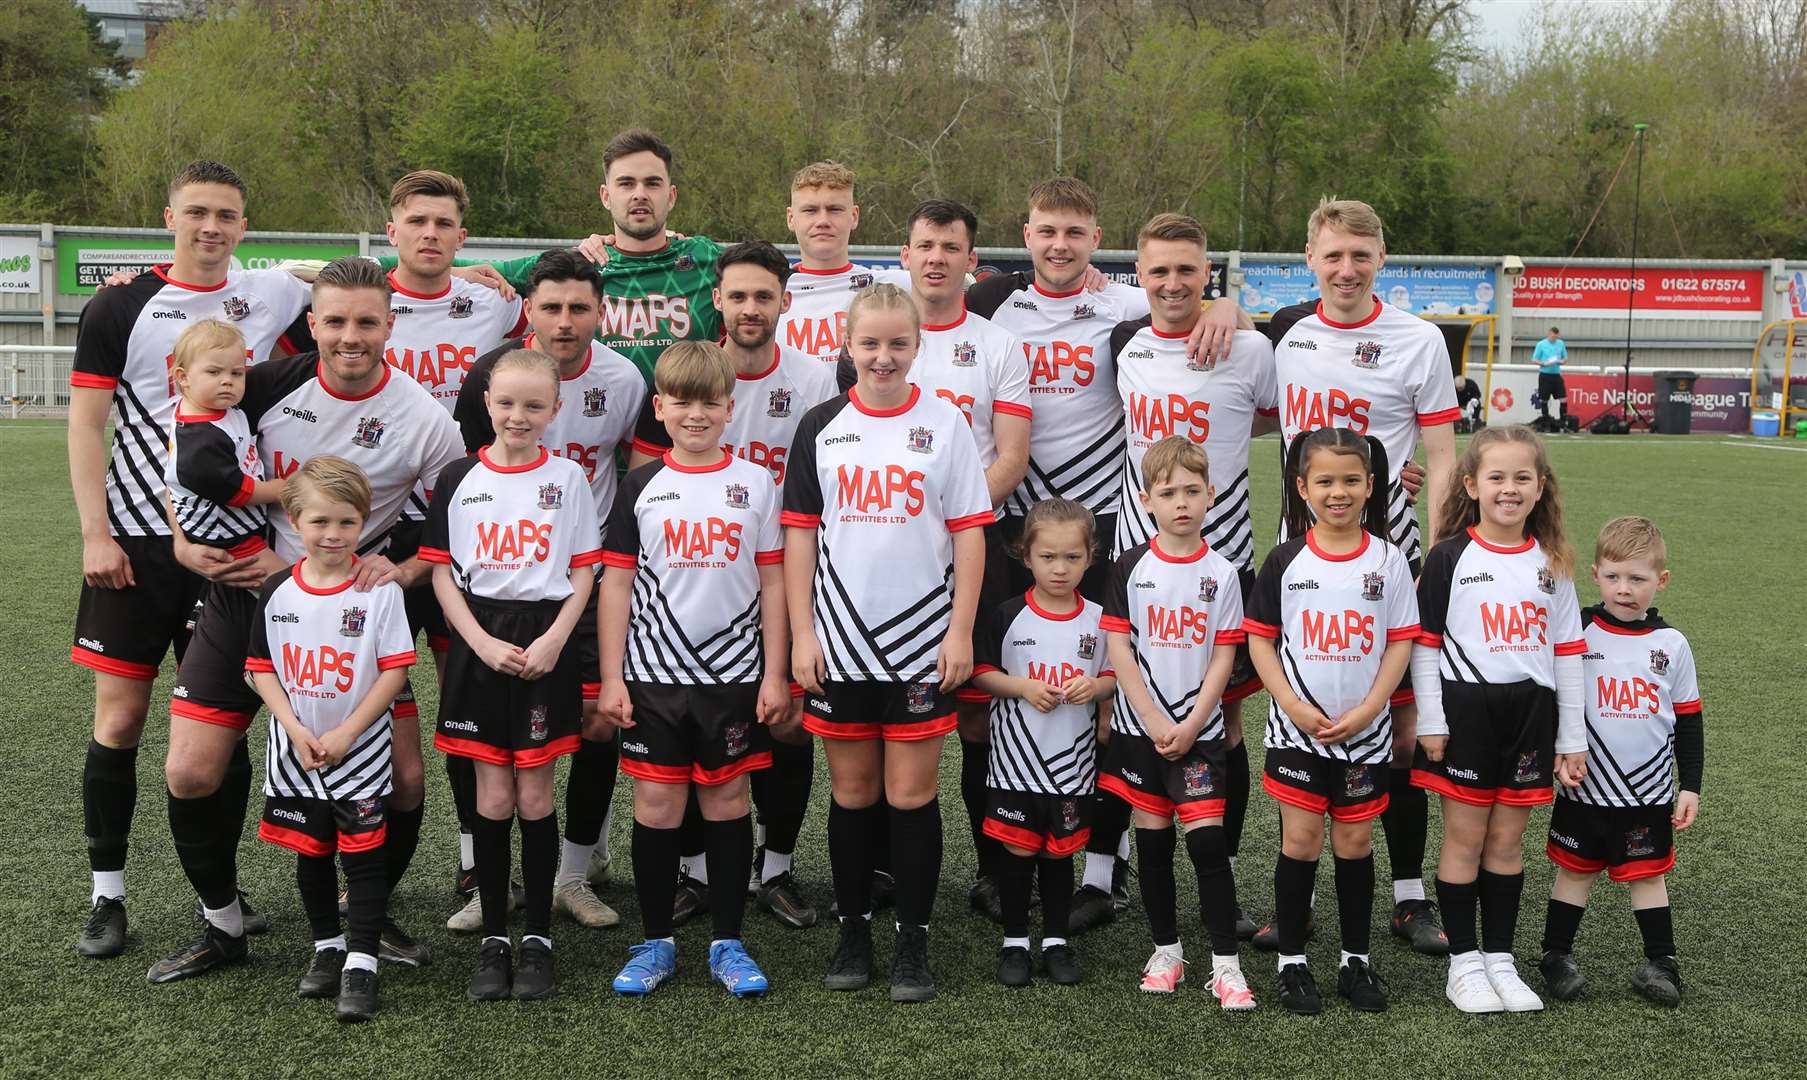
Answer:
[(213, 470)]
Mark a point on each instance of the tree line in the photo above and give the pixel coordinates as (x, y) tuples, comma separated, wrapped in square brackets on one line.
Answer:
[(1240, 112)]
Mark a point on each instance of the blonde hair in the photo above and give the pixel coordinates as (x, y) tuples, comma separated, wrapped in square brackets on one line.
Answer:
[(1050, 513), (532, 361), (1172, 453), (694, 370), (1631, 537), (433, 183), (327, 477), (205, 336), (1544, 523), (1344, 215), (1064, 193), (883, 297), (1171, 227), (823, 174)]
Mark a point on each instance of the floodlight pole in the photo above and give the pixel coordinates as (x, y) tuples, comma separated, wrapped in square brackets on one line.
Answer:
[(1631, 293)]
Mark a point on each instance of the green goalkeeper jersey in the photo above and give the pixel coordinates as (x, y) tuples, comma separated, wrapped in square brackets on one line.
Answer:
[(649, 301)]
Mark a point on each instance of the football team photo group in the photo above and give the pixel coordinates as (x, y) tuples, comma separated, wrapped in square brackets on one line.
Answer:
[(734, 544)]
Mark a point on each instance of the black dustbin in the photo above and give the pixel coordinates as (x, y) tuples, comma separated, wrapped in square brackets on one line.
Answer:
[(1674, 401)]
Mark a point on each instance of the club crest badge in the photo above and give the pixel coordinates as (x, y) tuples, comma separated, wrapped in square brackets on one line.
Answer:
[(859, 281), (737, 497), (1083, 311), (965, 355), (596, 401), (1367, 355), (351, 622), (1638, 842), (1373, 586), (734, 736), (1358, 781), (1207, 590), (1197, 777), (237, 308), (685, 262), (778, 403), (1069, 815), (1659, 662), (1201, 362), (369, 434), (918, 698), (461, 307), (1527, 771), (1546, 581), (922, 440), (369, 810), (1088, 646), (552, 496), (536, 723)]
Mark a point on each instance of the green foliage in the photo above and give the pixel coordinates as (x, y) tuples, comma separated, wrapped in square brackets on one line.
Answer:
[(53, 69)]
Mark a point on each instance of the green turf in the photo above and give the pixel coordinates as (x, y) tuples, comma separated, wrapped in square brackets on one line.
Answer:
[(1734, 516)]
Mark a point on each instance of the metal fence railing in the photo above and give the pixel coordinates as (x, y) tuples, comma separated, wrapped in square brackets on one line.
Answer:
[(37, 379)]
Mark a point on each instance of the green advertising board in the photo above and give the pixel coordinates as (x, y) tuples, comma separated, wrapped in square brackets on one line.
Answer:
[(83, 262)]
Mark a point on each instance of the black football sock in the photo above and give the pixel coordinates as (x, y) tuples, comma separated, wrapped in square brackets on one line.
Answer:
[(461, 777), (1236, 801), (1657, 926), (235, 801), (1160, 896), (1056, 879), (1458, 904), (539, 865), (690, 837), (1500, 894), (195, 831), (975, 762), (1405, 821), (1293, 881), (729, 850), (1014, 874), (367, 899), (398, 846), (318, 883), (1355, 901), (493, 841), (916, 861), (1107, 816), (589, 787), (879, 826), (1561, 922), (1216, 886), (782, 795), (850, 856), (109, 796), (655, 856)]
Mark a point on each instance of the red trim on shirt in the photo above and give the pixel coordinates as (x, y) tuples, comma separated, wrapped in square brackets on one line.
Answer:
[(797, 520), (1571, 648), (1011, 408), (520, 322), (1437, 419), (1259, 629), (620, 560), (586, 558), (1687, 708), (1230, 637), (717, 777), (397, 660), (293, 839), (1627, 631), (412, 295), (1154, 545), (434, 555), (1430, 640), (1113, 624), (1267, 412), (483, 456), (320, 373), (1475, 535), (971, 521), (1054, 616), (853, 395), (1036, 285), (769, 558), (1311, 541), (332, 590), (89, 381), (198, 418), (1328, 321), (743, 377), (246, 548), (949, 326), (259, 663), (247, 487), (1158, 332), (801, 269), (986, 669), (1403, 633), (163, 270), (641, 446), (207, 714), (674, 465)]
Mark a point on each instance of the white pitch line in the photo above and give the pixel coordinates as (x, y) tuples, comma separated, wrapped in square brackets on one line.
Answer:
[(1768, 446)]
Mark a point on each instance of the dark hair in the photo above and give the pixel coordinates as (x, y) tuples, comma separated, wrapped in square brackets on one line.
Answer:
[(564, 264), (1554, 330), (354, 272), (943, 212), (1056, 511), (1297, 513), (635, 141), (757, 253), (206, 172)]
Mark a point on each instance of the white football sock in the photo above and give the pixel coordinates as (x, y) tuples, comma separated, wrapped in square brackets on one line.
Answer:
[(360, 961), (773, 865), (1408, 889), (108, 883), (1098, 870), (1285, 961), (573, 863), (229, 919), (1016, 943), (467, 851), (330, 943), (1348, 956), (546, 941)]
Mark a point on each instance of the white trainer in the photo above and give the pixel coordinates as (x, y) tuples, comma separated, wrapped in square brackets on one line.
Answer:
[(1469, 988), (1165, 970), (1502, 973)]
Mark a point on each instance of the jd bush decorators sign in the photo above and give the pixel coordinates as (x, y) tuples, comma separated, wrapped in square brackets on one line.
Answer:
[(83, 262)]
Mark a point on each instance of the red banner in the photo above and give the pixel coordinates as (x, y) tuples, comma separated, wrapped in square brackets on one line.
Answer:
[(1662, 292), (1719, 403)]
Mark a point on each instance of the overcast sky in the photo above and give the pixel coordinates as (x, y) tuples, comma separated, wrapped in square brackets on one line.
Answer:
[(1502, 23)]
